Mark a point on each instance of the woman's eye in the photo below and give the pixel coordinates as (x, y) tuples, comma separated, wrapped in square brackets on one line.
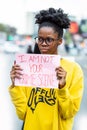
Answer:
[(49, 39), (40, 39)]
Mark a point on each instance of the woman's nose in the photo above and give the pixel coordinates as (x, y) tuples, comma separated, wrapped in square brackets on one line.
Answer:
[(44, 42)]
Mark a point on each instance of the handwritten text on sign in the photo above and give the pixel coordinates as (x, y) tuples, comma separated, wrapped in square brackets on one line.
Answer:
[(38, 70)]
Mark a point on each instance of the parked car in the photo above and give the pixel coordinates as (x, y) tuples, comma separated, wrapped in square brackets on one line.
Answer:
[(10, 47)]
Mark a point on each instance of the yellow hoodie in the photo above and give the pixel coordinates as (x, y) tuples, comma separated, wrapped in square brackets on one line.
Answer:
[(50, 109)]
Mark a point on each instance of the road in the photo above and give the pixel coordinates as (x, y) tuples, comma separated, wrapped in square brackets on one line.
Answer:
[(8, 118), (80, 122)]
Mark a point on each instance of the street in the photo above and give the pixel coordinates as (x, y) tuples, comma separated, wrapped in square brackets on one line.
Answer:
[(8, 117), (81, 117)]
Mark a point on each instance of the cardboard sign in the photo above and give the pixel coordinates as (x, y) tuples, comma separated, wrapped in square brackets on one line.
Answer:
[(38, 70)]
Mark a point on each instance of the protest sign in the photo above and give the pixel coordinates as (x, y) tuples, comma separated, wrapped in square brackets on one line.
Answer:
[(38, 70)]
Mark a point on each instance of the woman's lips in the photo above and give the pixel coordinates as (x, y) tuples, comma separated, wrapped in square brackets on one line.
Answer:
[(43, 50)]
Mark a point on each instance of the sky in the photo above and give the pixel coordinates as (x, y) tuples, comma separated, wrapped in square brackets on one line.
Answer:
[(12, 12)]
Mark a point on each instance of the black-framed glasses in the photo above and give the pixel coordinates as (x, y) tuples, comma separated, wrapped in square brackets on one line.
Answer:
[(48, 40)]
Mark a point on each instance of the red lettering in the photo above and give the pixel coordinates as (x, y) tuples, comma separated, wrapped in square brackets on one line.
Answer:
[(33, 79), (35, 58), (24, 79), (22, 58), (46, 79), (35, 68)]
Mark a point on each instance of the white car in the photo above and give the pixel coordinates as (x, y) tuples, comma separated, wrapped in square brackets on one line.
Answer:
[(10, 47)]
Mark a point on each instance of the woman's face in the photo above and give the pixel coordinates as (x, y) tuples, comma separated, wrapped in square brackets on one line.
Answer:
[(48, 40)]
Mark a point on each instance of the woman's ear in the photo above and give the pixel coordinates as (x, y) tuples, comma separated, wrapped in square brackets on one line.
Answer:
[(60, 41)]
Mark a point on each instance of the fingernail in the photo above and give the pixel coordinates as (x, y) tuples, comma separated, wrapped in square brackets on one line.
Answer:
[(14, 62)]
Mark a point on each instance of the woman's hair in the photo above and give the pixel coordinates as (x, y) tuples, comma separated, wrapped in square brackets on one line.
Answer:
[(36, 49), (55, 18)]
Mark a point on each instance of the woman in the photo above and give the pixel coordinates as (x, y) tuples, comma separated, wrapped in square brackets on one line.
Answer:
[(49, 109), (36, 49)]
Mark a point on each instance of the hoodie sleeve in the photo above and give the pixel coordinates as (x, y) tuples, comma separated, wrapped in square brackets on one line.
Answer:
[(69, 97), (19, 100)]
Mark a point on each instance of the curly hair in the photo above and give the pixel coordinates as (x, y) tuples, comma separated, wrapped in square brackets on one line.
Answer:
[(53, 17)]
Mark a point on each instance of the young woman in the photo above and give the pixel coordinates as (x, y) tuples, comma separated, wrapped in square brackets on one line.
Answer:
[(49, 109)]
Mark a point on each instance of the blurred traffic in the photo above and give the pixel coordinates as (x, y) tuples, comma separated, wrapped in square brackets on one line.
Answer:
[(74, 47), (75, 39)]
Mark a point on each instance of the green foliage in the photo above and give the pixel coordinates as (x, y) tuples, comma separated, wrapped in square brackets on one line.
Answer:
[(2, 28), (67, 37), (7, 29)]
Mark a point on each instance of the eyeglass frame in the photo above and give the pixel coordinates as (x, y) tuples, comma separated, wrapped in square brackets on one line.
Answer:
[(45, 40)]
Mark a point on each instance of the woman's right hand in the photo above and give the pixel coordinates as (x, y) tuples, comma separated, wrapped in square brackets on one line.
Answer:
[(16, 72)]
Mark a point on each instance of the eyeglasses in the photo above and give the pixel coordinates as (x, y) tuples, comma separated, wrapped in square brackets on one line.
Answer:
[(47, 40)]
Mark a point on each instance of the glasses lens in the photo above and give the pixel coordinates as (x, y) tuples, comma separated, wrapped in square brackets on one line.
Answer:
[(49, 40), (40, 40)]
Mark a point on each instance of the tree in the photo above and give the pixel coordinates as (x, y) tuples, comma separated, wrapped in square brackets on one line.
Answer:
[(2, 28), (8, 29)]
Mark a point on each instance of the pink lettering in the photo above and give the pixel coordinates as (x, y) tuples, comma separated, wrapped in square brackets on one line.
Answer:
[(24, 79), (22, 58), (46, 79), (34, 68)]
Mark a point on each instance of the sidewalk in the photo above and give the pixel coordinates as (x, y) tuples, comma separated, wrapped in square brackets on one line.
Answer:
[(82, 60)]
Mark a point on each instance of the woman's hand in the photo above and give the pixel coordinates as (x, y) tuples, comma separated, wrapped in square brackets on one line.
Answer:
[(16, 72), (61, 76)]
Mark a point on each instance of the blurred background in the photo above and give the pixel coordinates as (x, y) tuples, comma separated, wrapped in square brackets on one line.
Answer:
[(17, 32)]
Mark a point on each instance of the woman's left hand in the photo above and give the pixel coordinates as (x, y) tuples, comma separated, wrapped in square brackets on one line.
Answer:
[(61, 76)]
